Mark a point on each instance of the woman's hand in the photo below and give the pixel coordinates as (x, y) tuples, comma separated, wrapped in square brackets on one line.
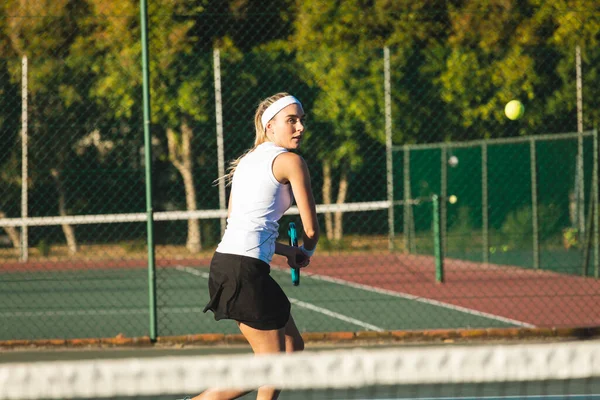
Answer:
[(296, 258)]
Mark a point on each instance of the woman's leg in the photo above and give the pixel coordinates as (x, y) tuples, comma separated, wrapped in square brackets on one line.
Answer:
[(293, 339), (262, 342), (265, 342)]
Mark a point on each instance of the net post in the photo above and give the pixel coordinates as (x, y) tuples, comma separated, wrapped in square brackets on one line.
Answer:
[(148, 168), (437, 239)]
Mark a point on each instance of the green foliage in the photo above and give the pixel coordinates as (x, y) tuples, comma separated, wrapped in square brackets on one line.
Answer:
[(44, 248), (517, 229), (333, 48), (133, 246), (211, 233), (461, 234), (332, 245), (571, 238), (488, 65)]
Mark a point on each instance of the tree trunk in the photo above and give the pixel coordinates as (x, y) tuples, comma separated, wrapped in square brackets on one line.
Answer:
[(193, 243), (68, 230), (180, 155), (341, 199), (13, 234), (327, 199)]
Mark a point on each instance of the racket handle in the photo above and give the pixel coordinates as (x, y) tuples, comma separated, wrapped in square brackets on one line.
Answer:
[(294, 242), (295, 276)]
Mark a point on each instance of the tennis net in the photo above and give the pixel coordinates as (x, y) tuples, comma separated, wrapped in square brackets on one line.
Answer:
[(515, 371)]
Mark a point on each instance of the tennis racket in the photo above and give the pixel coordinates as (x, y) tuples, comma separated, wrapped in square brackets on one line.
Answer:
[(294, 242)]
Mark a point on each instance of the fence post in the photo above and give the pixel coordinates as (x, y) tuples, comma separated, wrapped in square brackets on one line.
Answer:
[(579, 178), (444, 196), (595, 203), (24, 161), (219, 121), (148, 168), (408, 240), (484, 204), (534, 204), (388, 145)]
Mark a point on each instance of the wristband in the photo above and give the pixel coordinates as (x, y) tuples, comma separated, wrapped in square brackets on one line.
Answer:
[(306, 252)]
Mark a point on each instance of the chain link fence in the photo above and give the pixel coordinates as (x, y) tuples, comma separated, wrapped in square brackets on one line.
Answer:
[(507, 202), (390, 96)]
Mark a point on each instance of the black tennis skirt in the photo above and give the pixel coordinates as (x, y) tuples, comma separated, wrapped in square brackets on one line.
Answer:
[(241, 288)]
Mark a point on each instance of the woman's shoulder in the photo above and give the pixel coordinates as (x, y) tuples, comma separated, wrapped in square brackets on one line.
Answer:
[(290, 157), (287, 164), (270, 147)]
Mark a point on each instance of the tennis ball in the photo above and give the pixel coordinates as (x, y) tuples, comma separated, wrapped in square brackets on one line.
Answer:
[(452, 199), (453, 161), (514, 109)]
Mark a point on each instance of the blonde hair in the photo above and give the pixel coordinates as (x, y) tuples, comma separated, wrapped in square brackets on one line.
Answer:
[(260, 132)]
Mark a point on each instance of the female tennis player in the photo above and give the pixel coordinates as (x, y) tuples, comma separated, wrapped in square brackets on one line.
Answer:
[(264, 183)]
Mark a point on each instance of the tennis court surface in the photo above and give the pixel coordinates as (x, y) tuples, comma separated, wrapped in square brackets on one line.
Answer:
[(349, 293)]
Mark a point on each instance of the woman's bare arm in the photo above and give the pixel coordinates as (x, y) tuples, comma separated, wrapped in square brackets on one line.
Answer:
[(290, 167)]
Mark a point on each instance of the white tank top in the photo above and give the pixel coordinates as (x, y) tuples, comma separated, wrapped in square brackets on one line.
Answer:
[(258, 201)]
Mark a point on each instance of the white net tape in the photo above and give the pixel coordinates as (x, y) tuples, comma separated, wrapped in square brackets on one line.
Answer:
[(309, 370)]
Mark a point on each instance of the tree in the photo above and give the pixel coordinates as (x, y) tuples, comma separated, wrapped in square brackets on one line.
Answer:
[(47, 29), (342, 56), (178, 87), (9, 124), (182, 36), (569, 24), (504, 50)]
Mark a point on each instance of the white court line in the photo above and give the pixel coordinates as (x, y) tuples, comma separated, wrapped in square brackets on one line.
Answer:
[(192, 271), (335, 315), (407, 296), (300, 303)]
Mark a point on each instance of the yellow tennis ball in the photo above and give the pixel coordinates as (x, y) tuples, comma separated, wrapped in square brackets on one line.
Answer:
[(514, 109), (452, 199)]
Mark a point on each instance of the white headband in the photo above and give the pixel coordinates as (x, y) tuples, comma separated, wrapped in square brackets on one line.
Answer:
[(274, 108)]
